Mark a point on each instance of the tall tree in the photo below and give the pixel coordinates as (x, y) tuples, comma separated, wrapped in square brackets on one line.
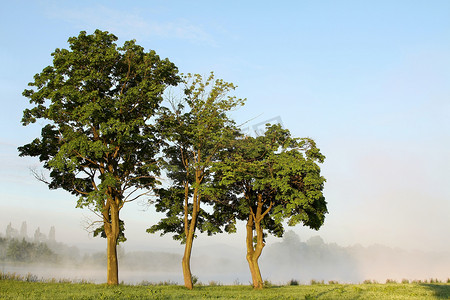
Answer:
[(275, 179), (197, 130), (23, 230), (98, 102), (10, 231), (52, 234), (38, 236)]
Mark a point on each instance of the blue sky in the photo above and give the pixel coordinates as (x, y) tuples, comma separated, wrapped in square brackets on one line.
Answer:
[(369, 81)]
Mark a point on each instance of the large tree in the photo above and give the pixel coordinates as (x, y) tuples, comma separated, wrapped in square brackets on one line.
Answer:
[(99, 102), (268, 181), (197, 129)]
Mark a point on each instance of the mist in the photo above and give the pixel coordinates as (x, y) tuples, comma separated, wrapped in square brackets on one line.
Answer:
[(223, 262), (317, 260)]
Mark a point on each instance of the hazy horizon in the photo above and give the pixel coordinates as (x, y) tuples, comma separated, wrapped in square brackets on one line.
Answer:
[(221, 262)]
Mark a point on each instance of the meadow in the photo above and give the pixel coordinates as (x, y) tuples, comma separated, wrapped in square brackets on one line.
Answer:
[(29, 287)]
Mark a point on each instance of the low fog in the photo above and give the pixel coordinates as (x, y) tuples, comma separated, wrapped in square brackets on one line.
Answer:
[(282, 260)]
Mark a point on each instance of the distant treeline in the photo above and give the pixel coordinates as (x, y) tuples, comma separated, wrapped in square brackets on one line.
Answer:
[(18, 246), (38, 236), (23, 251), (290, 258)]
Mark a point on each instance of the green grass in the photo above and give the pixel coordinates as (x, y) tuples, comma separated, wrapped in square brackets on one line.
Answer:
[(19, 289)]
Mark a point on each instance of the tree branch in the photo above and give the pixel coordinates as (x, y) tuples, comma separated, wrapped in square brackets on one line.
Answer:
[(85, 158), (266, 211), (40, 177), (138, 196)]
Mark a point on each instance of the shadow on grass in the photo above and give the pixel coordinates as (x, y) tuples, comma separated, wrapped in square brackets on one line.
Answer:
[(439, 290)]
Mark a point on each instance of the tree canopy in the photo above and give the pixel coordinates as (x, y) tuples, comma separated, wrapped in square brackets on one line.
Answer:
[(269, 180)]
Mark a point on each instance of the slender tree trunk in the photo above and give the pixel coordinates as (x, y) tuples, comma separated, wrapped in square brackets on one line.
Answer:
[(250, 250), (258, 250), (112, 234), (186, 261), (253, 253)]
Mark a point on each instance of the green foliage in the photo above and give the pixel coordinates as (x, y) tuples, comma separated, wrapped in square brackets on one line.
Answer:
[(368, 281), (390, 281), (267, 283), (196, 129), (283, 171), (24, 251), (293, 282), (98, 102)]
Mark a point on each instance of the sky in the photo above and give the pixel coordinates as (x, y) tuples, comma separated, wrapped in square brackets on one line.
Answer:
[(367, 80)]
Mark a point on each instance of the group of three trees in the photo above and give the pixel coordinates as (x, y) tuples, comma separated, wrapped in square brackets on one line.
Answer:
[(109, 140)]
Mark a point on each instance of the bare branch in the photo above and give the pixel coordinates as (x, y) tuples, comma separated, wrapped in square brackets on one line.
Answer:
[(95, 212), (136, 197), (38, 175), (89, 224), (127, 184)]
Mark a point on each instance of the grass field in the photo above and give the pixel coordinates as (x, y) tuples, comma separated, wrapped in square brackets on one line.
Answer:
[(23, 289)]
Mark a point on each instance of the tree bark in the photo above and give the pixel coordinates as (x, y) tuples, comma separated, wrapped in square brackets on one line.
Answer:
[(112, 234), (186, 261), (257, 253), (254, 252), (250, 250), (112, 265)]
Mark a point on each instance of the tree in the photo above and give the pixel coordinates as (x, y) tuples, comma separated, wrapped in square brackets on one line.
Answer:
[(99, 143), (23, 230), (10, 231), (18, 251), (197, 130), (38, 236), (52, 234), (24, 251), (275, 178)]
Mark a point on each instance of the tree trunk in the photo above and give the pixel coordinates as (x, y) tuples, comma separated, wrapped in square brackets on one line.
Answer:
[(190, 233), (186, 262), (253, 253), (112, 265), (112, 234), (256, 273)]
